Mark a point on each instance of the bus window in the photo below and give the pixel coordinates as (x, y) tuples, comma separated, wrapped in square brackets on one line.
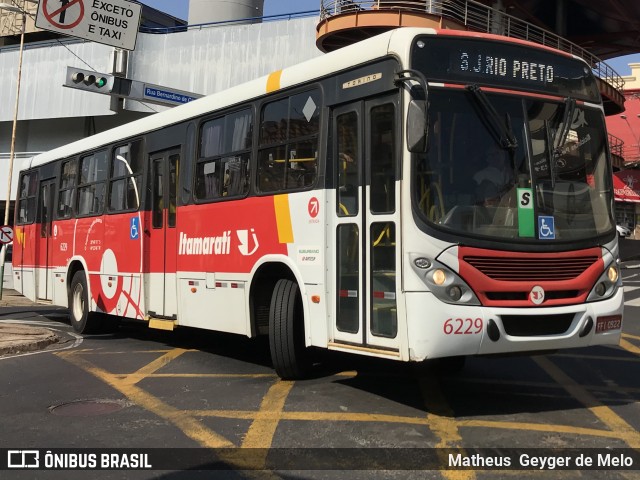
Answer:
[(225, 148), (383, 165), (288, 157), (68, 173), (126, 177), (347, 204), (27, 198), (174, 169), (92, 188)]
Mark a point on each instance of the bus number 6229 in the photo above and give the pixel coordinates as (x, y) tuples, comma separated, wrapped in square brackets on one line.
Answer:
[(463, 326)]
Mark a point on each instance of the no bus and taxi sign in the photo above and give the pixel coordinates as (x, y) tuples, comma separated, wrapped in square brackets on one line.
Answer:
[(111, 22)]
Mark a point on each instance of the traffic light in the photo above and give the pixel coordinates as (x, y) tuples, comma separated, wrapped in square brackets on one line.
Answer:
[(88, 80)]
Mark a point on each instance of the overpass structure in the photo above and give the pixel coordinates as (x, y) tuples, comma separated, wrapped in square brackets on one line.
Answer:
[(343, 22)]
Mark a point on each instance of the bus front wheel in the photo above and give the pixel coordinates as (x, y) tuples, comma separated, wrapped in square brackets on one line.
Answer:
[(286, 331), (82, 320)]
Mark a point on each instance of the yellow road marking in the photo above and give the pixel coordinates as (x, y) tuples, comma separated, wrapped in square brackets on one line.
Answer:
[(628, 335), (629, 347), (605, 414), (539, 427), (261, 431), (189, 426), (514, 383), (442, 423), (607, 358), (153, 367), (202, 375)]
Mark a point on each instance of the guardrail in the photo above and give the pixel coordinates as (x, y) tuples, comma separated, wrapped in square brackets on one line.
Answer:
[(479, 17), (616, 145)]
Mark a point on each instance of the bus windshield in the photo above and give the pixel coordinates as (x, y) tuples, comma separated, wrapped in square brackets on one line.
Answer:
[(526, 169)]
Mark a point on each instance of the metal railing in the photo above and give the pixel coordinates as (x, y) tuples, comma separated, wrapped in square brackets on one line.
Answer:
[(478, 17), (616, 145)]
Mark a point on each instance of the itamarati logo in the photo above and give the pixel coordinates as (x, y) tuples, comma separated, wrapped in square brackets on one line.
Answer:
[(219, 245)]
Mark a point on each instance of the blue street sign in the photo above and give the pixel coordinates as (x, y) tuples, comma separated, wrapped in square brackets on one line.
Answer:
[(166, 95)]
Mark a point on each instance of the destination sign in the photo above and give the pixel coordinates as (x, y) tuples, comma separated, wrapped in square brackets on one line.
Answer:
[(493, 63)]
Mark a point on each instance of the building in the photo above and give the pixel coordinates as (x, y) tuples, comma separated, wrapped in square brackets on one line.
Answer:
[(202, 60), (215, 55), (624, 135)]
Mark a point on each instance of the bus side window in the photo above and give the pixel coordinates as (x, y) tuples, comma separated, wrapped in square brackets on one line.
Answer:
[(92, 185), (27, 198), (66, 188), (288, 155), (126, 177), (222, 169)]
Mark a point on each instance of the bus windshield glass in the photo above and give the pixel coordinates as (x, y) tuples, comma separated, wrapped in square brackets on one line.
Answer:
[(527, 169)]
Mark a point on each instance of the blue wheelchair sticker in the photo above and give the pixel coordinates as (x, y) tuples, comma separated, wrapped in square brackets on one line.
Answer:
[(546, 228), (135, 228)]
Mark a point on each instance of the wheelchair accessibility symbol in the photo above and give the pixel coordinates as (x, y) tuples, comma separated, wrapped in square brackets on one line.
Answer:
[(546, 228), (135, 228)]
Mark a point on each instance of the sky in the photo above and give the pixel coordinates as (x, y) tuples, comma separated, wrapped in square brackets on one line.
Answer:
[(179, 8)]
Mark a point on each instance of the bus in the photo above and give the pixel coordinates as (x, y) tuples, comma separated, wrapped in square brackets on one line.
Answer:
[(422, 194)]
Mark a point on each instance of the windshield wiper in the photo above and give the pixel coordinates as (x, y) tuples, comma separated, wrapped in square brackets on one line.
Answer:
[(565, 127), (503, 131)]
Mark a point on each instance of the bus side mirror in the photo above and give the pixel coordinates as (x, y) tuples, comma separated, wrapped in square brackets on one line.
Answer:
[(417, 126)]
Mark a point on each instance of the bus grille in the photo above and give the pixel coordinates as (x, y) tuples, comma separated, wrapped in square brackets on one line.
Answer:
[(532, 326), (516, 269)]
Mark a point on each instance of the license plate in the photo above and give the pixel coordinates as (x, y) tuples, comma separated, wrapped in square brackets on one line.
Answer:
[(611, 322)]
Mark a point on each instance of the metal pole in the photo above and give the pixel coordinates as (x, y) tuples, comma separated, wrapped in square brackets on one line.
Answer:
[(13, 145)]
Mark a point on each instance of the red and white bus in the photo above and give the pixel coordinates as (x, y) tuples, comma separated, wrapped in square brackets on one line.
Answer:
[(422, 194)]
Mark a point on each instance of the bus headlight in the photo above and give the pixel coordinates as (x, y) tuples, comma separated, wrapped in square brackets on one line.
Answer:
[(607, 284), (444, 283), (439, 277), (612, 273)]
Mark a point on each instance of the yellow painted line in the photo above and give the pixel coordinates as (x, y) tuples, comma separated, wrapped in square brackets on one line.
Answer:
[(189, 426), (629, 347), (628, 335), (153, 367), (283, 218), (204, 375), (539, 427), (261, 431), (273, 82), (443, 424), (606, 358), (394, 419), (598, 388), (605, 414), (111, 352), (312, 416)]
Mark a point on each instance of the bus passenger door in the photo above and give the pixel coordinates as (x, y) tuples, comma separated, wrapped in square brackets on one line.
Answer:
[(44, 237), (366, 219), (160, 229)]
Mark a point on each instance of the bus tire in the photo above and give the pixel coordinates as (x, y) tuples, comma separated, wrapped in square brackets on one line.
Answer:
[(289, 355), (82, 320)]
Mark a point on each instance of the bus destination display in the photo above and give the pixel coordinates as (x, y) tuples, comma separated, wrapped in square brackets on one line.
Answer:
[(492, 63)]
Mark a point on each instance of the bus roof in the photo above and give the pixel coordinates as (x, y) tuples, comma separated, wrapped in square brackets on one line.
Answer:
[(318, 67), (391, 42)]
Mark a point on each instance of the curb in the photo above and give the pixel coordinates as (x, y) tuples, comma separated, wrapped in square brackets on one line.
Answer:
[(19, 339)]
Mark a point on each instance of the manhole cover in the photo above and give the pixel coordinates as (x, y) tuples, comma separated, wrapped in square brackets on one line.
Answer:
[(87, 408)]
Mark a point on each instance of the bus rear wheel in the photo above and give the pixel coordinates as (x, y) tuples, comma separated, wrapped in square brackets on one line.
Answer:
[(289, 355), (82, 320)]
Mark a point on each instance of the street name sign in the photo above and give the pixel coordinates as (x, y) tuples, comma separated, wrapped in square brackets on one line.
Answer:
[(111, 22)]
